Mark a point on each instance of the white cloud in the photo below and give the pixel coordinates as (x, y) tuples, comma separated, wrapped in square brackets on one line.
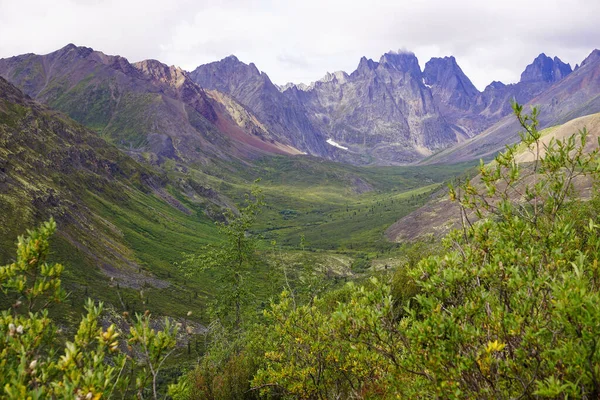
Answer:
[(301, 40)]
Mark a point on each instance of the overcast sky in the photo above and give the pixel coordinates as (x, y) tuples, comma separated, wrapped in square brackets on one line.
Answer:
[(301, 40)]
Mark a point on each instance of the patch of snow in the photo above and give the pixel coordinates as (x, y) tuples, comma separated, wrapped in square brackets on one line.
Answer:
[(334, 144), (426, 85)]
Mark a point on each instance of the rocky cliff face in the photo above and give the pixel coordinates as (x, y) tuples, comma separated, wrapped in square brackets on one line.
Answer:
[(393, 112), (471, 112), (284, 117), (383, 109), (575, 95), (538, 76), (450, 85), (545, 69), (455, 96)]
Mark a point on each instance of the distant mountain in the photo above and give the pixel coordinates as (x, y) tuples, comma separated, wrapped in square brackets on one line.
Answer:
[(455, 95), (385, 112), (538, 76), (284, 117), (395, 113), (452, 87), (146, 107), (545, 69), (383, 109), (471, 111), (560, 100)]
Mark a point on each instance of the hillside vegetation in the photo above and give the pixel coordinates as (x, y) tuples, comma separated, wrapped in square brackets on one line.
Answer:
[(509, 308), (123, 224)]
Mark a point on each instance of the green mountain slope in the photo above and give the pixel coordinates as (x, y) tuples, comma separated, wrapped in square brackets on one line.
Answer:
[(119, 226)]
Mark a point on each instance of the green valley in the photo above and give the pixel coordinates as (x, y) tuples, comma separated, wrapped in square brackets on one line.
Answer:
[(213, 235)]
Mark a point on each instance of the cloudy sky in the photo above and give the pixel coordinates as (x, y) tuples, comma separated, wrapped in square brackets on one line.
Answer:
[(300, 40)]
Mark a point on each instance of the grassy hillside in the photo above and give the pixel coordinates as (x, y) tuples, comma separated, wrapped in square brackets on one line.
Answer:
[(116, 217)]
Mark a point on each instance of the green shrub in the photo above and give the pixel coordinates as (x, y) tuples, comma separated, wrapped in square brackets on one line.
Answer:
[(90, 365)]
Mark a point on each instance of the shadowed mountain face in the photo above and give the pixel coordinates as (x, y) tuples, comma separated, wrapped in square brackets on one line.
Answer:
[(546, 69), (470, 111), (451, 85), (146, 107)]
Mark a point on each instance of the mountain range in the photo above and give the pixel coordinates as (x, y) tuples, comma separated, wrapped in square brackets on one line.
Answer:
[(385, 112)]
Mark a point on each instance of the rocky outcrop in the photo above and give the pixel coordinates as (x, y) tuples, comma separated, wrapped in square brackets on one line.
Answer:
[(450, 85), (545, 69), (383, 109), (182, 87), (455, 96)]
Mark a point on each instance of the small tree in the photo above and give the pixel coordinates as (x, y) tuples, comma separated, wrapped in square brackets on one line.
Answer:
[(512, 309), (225, 371), (90, 366), (231, 261)]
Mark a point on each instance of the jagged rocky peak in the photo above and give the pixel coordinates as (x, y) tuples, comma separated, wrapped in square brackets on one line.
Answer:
[(365, 65), (495, 85), (593, 57), (233, 62), (227, 74), (404, 61), (337, 76), (304, 87), (298, 86), (289, 85), (171, 75), (545, 69), (81, 51), (447, 74), (71, 52)]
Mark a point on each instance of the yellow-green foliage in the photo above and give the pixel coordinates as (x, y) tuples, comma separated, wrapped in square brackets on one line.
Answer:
[(510, 309), (34, 365)]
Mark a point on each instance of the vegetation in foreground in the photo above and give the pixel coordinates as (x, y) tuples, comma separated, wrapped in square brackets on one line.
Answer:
[(94, 363), (510, 309)]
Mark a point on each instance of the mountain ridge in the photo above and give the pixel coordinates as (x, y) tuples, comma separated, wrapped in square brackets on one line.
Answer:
[(145, 107), (385, 112)]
